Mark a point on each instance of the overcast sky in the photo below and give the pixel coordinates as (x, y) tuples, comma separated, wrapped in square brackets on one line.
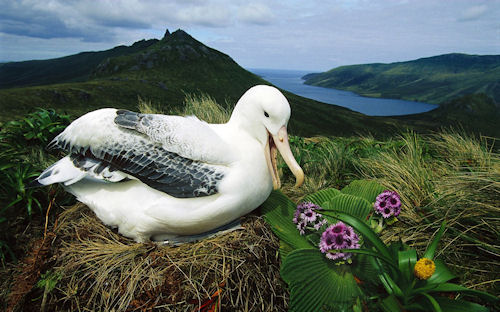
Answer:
[(311, 35)]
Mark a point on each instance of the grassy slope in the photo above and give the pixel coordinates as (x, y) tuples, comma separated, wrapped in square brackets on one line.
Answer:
[(163, 73), (78, 67), (436, 79), (473, 113), (442, 176)]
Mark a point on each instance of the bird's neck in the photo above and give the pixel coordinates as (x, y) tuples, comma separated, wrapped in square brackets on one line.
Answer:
[(243, 122)]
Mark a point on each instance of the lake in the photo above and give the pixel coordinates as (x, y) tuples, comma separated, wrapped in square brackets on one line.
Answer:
[(291, 80)]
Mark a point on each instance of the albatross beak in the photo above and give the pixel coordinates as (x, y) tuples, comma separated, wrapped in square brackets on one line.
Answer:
[(280, 141)]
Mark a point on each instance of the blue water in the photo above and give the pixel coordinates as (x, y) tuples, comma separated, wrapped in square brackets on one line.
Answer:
[(290, 80)]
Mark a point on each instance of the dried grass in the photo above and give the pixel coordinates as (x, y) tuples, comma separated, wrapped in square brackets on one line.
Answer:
[(103, 271), (460, 184)]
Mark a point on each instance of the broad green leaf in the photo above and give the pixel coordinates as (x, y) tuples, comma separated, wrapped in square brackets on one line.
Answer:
[(395, 247), (370, 253), (367, 189), (390, 285), (351, 204), (363, 229), (450, 305), (406, 263), (442, 273), (285, 249), (320, 197), (429, 253), (435, 305), (278, 211), (316, 282), (390, 304), (450, 287)]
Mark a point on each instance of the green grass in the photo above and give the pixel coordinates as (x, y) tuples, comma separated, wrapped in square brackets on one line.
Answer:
[(446, 175)]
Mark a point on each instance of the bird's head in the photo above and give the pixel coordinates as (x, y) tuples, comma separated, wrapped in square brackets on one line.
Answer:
[(264, 112)]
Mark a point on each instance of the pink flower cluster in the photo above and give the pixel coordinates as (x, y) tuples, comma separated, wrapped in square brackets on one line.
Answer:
[(306, 216), (338, 236), (388, 204)]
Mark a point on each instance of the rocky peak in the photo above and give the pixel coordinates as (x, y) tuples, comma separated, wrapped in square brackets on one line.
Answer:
[(178, 36), (167, 34)]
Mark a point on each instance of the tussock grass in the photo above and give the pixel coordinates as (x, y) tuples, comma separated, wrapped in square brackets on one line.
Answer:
[(326, 162), (453, 177), (103, 271), (405, 169), (147, 107), (443, 176), (203, 106)]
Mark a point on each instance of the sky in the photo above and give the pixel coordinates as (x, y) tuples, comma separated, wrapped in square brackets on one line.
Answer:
[(311, 35)]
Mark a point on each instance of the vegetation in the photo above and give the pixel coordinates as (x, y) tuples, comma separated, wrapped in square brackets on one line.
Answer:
[(60, 258), (350, 278), (164, 71), (78, 67), (446, 176), (437, 79), (22, 158)]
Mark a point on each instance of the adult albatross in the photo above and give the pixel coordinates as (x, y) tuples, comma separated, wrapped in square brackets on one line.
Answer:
[(161, 176)]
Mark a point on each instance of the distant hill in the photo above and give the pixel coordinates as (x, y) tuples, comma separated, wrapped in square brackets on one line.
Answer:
[(437, 79), (78, 67), (473, 113), (163, 72)]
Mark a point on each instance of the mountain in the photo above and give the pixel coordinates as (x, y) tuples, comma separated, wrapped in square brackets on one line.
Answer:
[(77, 67), (437, 79), (473, 113), (162, 72)]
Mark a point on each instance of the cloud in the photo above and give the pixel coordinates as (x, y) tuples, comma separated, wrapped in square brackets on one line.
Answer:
[(473, 13), (255, 13), (96, 21), (210, 15)]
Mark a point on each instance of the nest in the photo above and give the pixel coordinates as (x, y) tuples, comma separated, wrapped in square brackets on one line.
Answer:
[(96, 269)]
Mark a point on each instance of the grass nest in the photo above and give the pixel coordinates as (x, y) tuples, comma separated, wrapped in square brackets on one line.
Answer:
[(87, 266)]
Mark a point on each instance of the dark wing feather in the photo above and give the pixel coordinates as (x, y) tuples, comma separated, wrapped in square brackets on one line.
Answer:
[(153, 165)]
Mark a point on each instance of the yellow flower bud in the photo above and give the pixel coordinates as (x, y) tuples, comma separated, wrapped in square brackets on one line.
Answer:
[(424, 268)]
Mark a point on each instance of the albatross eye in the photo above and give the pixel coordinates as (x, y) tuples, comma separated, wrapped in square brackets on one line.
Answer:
[(266, 114)]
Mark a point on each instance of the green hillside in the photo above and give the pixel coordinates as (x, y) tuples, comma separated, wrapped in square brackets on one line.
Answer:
[(163, 72), (437, 79), (78, 67)]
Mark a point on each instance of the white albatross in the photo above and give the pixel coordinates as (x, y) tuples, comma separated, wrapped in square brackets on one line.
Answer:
[(161, 176)]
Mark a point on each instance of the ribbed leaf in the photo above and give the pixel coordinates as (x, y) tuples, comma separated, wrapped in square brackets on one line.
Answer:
[(390, 304), (316, 282), (278, 211), (450, 305), (435, 305), (429, 253), (450, 287), (320, 197), (351, 204), (406, 263), (441, 275), (285, 249), (366, 189), (362, 228)]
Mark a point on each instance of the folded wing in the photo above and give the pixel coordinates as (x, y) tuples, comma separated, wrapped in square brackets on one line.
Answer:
[(164, 152)]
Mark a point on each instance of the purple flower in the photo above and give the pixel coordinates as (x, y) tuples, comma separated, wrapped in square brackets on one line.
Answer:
[(327, 240), (338, 228), (388, 203), (307, 217), (318, 225), (338, 236)]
